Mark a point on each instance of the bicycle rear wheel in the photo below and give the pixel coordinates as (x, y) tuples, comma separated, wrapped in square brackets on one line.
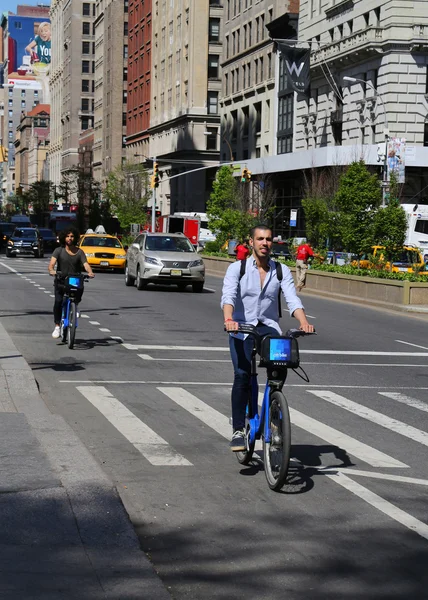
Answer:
[(277, 451), (244, 458), (71, 333)]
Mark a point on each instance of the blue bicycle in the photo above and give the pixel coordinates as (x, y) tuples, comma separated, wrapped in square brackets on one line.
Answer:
[(73, 285), (272, 423)]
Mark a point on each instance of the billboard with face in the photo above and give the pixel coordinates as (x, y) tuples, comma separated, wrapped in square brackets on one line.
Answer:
[(29, 53)]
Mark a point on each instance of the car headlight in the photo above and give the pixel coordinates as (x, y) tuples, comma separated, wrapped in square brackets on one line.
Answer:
[(90, 255), (196, 263), (120, 255), (153, 261), (10, 243)]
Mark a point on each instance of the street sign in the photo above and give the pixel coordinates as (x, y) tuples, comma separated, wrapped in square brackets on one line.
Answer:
[(135, 228), (293, 217)]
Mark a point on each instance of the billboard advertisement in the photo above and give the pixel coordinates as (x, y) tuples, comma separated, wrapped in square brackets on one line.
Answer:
[(396, 158), (29, 54)]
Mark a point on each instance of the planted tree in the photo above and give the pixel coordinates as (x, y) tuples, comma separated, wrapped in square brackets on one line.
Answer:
[(357, 199), (127, 192)]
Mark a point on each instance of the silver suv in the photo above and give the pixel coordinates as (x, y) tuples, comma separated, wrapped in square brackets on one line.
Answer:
[(164, 258)]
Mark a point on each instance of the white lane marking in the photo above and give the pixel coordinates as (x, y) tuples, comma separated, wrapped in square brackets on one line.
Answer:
[(375, 417), (210, 289), (350, 445), (210, 360), (85, 316), (105, 329), (381, 504), (31, 281), (37, 285), (319, 352), (371, 475), (409, 344), (413, 402), (52, 295), (9, 268), (208, 415), (47, 292), (116, 337), (154, 448), (94, 323), (42, 289), (228, 384)]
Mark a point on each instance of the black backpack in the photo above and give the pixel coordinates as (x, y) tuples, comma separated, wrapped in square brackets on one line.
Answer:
[(278, 267)]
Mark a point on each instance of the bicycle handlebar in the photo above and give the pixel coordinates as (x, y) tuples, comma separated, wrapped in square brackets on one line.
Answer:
[(252, 330), (85, 276)]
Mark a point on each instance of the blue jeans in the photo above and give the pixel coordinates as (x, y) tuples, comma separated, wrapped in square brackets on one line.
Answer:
[(240, 352)]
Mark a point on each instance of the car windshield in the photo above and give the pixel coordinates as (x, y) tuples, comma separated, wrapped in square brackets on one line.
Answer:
[(168, 244), (101, 242), (407, 256), (280, 248), (25, 233)]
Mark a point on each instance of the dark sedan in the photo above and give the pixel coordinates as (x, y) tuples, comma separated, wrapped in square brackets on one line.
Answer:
[(50, 239), (281, 249), (25, 241), (6, 230)]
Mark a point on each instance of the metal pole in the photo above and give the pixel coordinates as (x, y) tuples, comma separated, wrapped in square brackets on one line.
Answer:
[(154, 201)]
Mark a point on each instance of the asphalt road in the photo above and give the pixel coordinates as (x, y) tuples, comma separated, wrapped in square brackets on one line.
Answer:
[(147, 389)]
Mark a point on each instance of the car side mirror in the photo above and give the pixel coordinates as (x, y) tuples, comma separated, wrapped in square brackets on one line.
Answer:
[(136, 246), (125, 248)]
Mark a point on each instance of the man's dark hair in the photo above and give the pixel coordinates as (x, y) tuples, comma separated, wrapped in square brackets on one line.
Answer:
[(260, 226), (64, 233)]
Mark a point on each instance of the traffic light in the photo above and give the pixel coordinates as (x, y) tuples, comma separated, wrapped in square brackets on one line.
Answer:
[(4, 154), (155, 177), (245, 176)]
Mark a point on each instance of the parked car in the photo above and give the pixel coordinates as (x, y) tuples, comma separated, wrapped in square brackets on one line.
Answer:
[(6, 230), (282, 250), (50, 239), (25, 241), (404, 260), (164, 258), (103, 251)]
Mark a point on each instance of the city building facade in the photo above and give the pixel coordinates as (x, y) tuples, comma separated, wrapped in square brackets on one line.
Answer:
[(71, 85), (32, 145), (186, 48), (110, 93)]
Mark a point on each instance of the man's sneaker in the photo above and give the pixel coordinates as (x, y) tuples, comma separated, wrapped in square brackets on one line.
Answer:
[(56, 332), (237, 443)]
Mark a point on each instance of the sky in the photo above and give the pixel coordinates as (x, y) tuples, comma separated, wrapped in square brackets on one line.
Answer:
[(10, 5)]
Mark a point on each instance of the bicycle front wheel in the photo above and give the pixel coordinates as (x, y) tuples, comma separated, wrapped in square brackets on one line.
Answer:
[(244, 457), (71, 331), (277, 451)]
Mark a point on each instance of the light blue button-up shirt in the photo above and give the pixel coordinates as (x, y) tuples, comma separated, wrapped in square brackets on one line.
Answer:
[(252, 303)]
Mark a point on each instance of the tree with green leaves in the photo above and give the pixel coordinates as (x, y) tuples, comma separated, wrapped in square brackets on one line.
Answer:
[(127, 192), (38, 195), (226, 217), (358, 199)]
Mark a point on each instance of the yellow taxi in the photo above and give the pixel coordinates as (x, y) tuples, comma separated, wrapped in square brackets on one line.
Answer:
[(103, 251), (407, 259)]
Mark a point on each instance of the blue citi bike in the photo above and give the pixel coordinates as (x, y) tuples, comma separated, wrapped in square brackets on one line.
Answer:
[(272, 423), (73, 285)]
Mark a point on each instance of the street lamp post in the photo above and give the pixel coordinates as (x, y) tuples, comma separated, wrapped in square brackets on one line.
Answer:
[(224, 139), (383, 157), (153, 215)]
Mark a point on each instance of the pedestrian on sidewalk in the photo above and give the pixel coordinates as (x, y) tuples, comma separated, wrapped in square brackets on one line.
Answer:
[(303, 256), (242, 250)]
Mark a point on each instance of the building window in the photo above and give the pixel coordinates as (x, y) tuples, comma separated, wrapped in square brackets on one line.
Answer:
[(86, 28), (85, 66), (10, 135), (10, 102), (226, 84), (36, 94), (85, 104), (22, 103), (10, 123), (125, 74), (285, 123), (125, 28), (86, 9), (234, 133), (211, 138), (124, 119), (85, 85), (85, 123), (258, 109), (214, 30), (86, 47), (11, 113), (245, 121), (212, 103), (125, 51), (22, 93), (213, 66)]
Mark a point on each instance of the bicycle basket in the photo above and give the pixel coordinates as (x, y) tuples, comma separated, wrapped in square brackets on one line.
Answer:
[(279, 351), (74, 282)]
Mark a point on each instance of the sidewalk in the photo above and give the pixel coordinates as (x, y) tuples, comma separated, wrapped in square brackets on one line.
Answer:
[(64, 531)]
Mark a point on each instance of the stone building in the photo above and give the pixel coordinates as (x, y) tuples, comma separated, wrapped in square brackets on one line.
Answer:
[(71, 84), (32, 145), (110, 93)]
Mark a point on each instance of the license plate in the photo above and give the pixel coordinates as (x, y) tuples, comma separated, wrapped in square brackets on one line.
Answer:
[(176, 272), (104, 263), (402, 269)]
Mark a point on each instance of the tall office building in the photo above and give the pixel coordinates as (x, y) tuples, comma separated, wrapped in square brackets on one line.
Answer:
[(71, 85), (186, 47), (110, 80)]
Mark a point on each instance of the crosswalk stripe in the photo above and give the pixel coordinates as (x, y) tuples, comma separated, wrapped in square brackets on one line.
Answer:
[(154, 448), (375, 417), (350, 445), (413, 402)]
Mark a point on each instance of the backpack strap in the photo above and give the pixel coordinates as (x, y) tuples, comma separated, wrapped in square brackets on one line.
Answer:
[(279, 277), (242, 269)]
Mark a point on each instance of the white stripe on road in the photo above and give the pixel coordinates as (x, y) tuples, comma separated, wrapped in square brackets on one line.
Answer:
[(372, 475), (414, 345), (105, 329), (187, 360), (381, 504), (375, 417), (94, 323), (85, 316), (154, 448), (318, 352), (47, 292), (350, 445), (413, 402)]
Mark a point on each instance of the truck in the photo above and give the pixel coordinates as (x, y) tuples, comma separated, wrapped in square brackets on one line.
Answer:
[(59, 220), (417, 226), (187, 223)]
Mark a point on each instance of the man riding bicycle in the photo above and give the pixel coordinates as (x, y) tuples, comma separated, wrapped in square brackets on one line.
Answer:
[(252, 297), (69, 260)]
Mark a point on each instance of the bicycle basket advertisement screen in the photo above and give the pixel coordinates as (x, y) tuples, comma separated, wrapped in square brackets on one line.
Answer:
[(280, 351)]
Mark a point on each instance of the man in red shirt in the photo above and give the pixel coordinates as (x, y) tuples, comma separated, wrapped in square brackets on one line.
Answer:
[(304, 252), (242, 251)]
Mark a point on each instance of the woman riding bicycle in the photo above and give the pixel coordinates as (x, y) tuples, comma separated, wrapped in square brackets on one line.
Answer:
[(254, 299), (69, 260)]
